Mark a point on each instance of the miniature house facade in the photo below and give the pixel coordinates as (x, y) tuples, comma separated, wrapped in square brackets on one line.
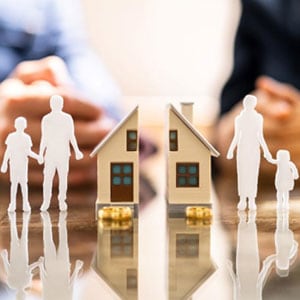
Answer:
[(117, 164), (188, 160)]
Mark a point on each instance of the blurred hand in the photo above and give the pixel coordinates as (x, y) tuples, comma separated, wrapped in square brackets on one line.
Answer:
[(279, 103), (27, 93)]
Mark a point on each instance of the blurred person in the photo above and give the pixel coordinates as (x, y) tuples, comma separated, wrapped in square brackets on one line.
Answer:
[(266, 65), (43, 51)]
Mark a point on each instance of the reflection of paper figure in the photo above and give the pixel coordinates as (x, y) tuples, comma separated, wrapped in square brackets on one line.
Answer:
[(248, 137), (57, 134), (17, 268), (285, 244), (285, 175), (249, 280), (17, 152), (55, 267)]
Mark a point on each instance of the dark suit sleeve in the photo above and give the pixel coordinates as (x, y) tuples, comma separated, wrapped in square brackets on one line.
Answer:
[(245, 65)]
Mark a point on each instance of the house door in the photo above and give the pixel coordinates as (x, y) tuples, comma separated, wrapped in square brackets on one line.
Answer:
[(122, 182)]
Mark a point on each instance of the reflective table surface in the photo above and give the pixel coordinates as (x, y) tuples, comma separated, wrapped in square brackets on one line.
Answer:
[(239, 255)]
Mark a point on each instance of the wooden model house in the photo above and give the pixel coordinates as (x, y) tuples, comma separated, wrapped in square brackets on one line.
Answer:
[(190, 263), (117, 165), (188, 160)]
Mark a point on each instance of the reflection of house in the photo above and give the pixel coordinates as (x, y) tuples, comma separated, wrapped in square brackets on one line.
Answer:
[(189, 160), (116, 259), (190, 264), (117, 164)]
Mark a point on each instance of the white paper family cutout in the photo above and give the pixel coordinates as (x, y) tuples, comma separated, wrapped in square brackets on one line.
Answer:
[(286, 174), (248, 138), (57, 135), (16, 155)]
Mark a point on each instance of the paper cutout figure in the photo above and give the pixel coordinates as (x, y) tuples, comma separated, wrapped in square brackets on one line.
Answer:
[(285, 244), (57, 134), (248, 281), (248, 137), (285, 175), (55, 265), (19, 272), (17, 152)]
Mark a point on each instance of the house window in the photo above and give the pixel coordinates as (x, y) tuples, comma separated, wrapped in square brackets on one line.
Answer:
[(132, 279), (187, 175), (121, 243), (173, 140), (122, 173), (187, 245), (132, 140)]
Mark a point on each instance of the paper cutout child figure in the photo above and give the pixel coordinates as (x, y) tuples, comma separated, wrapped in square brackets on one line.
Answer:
[(285, 175), (19, 272), (17, 152), (248, 138), (55, 267), (249, 280), (285, 244), (57, 134)]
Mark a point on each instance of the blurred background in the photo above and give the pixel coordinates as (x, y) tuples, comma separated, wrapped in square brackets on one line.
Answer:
[(165, 50)]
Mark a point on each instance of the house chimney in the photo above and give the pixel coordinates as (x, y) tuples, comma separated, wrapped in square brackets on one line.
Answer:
[(187, 110)]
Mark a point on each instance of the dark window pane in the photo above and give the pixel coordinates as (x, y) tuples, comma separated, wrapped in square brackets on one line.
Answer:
[(193, 169), (132, 146), (182, 169), (116, 180), (173, 135), (127, 169), (132, 135), (116, 169), (193, 181), (127, 180), (181, 181)]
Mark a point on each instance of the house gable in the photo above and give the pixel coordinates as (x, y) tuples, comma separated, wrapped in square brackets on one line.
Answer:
[(112, 151), (194, 151)]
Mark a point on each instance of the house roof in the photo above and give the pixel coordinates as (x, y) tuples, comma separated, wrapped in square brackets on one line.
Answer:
[(198, 135), (113, 132)]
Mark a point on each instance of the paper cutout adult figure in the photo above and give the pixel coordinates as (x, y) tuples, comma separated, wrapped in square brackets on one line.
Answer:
[(249, 280), (285, 244), (19, 272), (285, 175), (248, 137), (55, 267), (18, 149), (57, 134)]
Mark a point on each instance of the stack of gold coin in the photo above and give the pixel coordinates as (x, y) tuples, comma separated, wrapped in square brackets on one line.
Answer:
[(115, 213), (199, 213)]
